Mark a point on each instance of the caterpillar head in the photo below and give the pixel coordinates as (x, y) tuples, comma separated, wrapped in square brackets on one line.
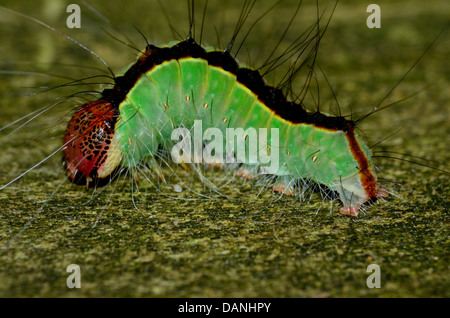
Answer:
[(91, 150)]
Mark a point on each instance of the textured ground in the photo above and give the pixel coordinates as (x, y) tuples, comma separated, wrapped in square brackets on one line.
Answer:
[(245, 243)]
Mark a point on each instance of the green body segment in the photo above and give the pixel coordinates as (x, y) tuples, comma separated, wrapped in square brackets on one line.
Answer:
[(178, 92)]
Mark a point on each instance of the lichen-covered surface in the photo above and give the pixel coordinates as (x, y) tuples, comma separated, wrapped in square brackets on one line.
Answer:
[(245, 242)]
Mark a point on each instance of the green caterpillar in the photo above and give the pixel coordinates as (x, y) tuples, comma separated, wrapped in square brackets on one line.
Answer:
[(172, 87)]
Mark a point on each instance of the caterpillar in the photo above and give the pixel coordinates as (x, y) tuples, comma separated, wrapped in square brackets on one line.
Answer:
[(177, 85)]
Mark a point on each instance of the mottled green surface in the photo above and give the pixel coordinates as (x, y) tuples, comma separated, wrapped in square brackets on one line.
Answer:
[(244, 243)]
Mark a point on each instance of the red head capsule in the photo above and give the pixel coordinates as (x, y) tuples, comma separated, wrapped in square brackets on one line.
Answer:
[(91, 150)]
